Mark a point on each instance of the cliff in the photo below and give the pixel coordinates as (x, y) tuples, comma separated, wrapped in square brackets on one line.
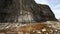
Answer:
[(24, 11), (47, 13)]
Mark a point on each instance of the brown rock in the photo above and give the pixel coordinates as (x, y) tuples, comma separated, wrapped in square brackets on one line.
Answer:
[(36, 28)]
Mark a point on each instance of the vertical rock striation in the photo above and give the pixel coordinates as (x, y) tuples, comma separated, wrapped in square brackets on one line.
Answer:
[(24, 11)]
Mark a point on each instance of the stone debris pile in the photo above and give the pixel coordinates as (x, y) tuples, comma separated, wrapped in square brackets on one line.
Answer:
[(33, 28)]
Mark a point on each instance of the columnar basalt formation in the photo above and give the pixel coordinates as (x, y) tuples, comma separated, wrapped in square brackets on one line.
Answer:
[(24, 11)]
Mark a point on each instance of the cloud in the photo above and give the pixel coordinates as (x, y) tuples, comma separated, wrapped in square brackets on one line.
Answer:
[(57, 6), (57, 13), (41, 1)]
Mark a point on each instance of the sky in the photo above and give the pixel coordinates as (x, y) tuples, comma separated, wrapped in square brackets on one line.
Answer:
[(54, 5)]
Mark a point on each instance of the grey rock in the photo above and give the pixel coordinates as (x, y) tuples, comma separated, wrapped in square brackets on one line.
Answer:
[(24, 11), (47, 13)]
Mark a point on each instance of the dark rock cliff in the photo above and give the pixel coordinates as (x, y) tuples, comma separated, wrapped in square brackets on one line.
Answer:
[(24, 11), (47, 13)]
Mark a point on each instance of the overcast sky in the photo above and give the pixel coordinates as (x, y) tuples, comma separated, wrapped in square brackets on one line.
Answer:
[(54, 5)]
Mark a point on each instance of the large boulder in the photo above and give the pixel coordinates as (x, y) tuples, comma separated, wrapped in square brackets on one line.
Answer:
[(24, 11)]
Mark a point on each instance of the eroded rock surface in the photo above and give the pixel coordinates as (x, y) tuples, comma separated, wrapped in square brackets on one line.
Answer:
[(47, 13), (24, 11)]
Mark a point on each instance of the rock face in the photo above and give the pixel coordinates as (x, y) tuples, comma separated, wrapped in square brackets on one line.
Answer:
[(47, 13), (24, 11)]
